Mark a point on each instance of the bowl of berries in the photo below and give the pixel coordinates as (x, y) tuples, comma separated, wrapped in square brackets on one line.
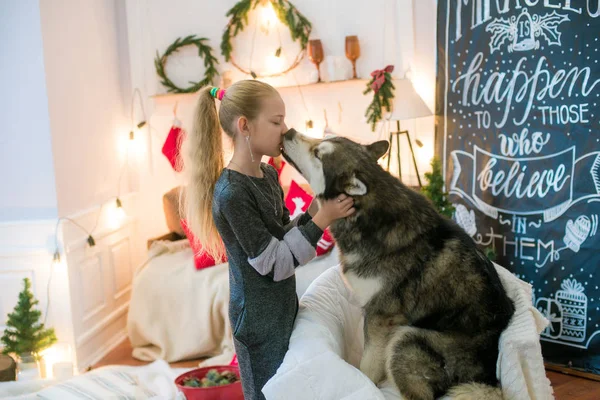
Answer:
[(211, 383)]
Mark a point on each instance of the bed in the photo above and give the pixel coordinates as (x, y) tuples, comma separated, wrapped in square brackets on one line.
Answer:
[(180, 313)]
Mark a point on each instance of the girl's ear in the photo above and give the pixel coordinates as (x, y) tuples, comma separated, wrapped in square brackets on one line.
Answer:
[(243, 126)]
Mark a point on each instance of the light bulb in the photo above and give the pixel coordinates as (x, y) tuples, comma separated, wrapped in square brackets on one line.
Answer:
[(267, 16), (115, 214), (56, 259)]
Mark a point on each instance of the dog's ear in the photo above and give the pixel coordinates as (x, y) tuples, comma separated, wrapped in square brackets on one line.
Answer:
[(355, 187), (378, 149)]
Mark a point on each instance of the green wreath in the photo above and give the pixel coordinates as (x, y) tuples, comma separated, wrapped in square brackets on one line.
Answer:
[(287, 13), (204, 51)]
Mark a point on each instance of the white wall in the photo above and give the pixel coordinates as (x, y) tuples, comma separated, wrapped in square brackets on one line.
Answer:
[(26, 170), (66, 122), (387, 35), (87, 76), (88, 79)]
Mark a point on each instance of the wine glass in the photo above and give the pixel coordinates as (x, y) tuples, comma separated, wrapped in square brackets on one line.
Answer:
[(315, 53), (352, 52)]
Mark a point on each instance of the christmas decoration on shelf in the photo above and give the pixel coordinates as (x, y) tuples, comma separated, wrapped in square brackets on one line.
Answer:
[(204, 51), (383, 92), (288, 15), (353, 52), (24, 335), (434, 189), (315, 54)]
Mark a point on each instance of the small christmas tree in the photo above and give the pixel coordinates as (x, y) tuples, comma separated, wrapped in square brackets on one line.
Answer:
[(434, 190), (24, 334)]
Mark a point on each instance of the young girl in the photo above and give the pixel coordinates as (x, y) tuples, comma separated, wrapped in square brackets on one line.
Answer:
[(242, 205)]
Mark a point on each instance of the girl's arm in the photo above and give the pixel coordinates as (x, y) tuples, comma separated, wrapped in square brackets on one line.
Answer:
[(265, 252)]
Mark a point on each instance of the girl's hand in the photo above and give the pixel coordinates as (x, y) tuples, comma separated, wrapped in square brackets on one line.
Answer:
[(339, 207)]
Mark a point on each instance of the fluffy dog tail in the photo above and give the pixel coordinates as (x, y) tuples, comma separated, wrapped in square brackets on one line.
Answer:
[(474, 391)]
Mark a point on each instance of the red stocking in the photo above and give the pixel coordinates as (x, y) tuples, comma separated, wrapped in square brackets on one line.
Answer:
[(171, 148)]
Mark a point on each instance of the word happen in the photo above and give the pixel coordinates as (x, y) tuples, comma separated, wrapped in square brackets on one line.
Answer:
[(517, 86)]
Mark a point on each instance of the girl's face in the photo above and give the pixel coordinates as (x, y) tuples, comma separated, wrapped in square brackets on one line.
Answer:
[(267, 130)]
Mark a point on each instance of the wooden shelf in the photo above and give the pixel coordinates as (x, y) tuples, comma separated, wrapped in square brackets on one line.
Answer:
[(317, 85)]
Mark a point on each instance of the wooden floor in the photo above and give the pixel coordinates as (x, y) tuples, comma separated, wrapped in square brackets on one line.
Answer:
[(566, 387)]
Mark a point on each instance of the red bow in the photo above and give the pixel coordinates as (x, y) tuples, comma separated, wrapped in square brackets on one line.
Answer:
[(379, 75)]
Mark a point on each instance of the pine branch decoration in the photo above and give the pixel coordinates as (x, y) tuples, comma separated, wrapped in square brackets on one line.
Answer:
[(204, 52), (383, 93), (24, 333), (434, 189)]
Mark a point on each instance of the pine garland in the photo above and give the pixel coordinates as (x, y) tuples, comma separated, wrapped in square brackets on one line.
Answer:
[(383, 92), (288, 14), (434, 189), (204, 51), (24, 334)]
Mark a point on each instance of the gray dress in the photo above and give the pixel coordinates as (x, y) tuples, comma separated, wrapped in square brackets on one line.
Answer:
[(263, 248)]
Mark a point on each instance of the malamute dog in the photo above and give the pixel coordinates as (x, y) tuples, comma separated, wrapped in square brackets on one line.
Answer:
[(434, 305)]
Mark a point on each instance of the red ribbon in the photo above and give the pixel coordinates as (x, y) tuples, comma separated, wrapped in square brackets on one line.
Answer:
[(379, 75)]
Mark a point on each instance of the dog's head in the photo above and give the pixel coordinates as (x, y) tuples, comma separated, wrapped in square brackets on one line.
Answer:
[(333, 166)]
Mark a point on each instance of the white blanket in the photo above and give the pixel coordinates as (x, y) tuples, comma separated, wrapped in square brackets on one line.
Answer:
[(327, 342), (154, 381), (178, 313)]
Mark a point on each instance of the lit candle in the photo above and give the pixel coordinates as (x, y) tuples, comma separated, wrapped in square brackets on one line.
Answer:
[(57, 361)]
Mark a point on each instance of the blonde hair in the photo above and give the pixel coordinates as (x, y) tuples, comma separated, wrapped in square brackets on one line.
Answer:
[(203, 154)]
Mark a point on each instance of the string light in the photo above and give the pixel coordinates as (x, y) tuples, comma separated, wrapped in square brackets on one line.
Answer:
[(57, 260), (142, 123)]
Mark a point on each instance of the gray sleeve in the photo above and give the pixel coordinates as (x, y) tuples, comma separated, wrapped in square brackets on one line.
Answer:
[(264, 251), (300, 220)]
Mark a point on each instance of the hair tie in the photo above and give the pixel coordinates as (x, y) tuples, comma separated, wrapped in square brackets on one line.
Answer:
[(217, 93)]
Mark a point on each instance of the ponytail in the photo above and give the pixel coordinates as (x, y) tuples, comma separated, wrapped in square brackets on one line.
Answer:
[(203, 161)]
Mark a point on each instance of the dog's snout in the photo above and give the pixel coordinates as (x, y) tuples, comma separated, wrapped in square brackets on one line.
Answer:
[(290, 135)]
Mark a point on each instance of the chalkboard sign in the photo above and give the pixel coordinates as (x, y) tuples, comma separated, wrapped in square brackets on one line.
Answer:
[(518, 100)]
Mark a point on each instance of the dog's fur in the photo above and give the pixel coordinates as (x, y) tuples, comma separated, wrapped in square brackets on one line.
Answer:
[(434, 305)]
